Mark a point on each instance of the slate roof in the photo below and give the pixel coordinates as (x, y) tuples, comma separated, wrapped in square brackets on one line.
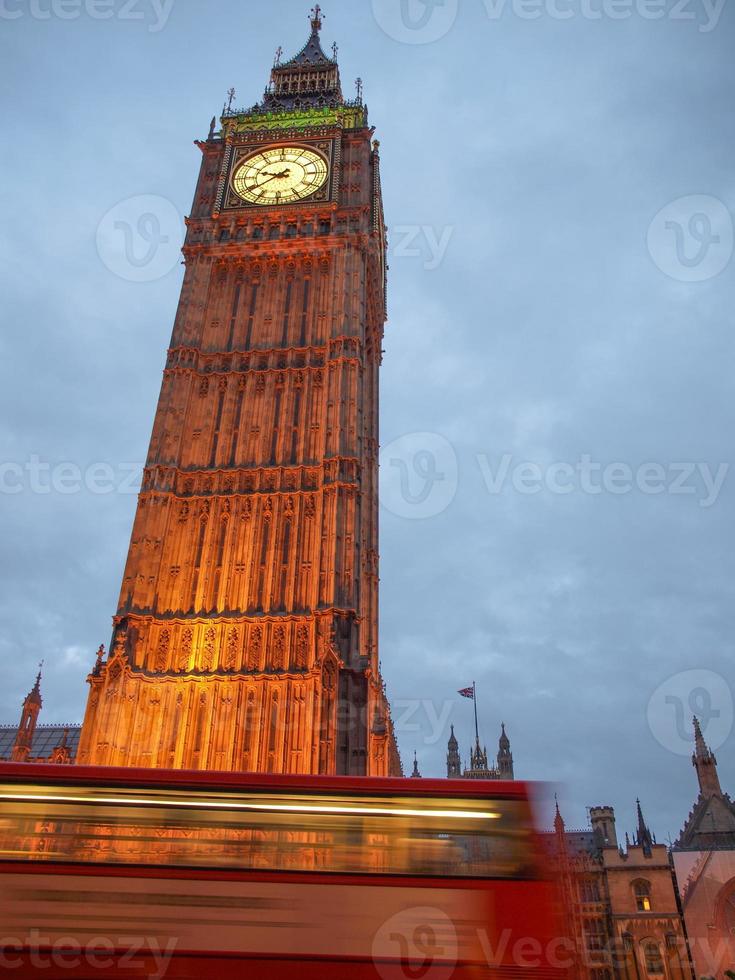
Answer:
[(45, 739), (710, 824), (310, 56)]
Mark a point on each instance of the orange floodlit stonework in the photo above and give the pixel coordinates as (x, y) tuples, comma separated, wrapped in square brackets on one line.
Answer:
[(246, 636)]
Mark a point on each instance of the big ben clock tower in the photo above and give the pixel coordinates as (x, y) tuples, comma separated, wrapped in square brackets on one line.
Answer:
[(246, 635)]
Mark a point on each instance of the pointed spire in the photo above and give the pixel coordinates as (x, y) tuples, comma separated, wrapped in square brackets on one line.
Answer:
[(643, 836), (505, 756), (310, 78), (700, 746), (705, 763), (32, 705), (415, 774), (478, 758), (454, 763), (37, 686), (558, 819), (35, 693)]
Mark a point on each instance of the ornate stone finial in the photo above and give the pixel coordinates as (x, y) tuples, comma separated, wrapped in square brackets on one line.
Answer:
[(379, 726), (376, 146), (335, 50), (358, 86), (211, 127), (121, 640), (230, 98), (316, 19), (279, 55)]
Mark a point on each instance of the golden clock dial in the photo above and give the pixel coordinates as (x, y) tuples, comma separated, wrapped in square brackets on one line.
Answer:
[(280, 175)]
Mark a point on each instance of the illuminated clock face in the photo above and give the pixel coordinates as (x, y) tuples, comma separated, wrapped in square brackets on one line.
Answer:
[(280, 175)]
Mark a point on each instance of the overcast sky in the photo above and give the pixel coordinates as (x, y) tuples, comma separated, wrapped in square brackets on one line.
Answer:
[(558, 180)]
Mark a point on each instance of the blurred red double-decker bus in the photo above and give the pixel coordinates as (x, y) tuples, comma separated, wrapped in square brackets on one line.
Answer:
[(110, 872)]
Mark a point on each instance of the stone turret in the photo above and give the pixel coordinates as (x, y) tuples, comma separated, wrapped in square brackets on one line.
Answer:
[(28, 721), (454, 763), (602, 819), (505, 756)]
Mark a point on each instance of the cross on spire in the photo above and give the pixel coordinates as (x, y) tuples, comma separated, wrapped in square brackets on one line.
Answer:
[(316, 19), (34, 695)]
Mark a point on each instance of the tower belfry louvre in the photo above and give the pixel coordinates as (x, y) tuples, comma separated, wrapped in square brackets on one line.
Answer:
[(246, 634)]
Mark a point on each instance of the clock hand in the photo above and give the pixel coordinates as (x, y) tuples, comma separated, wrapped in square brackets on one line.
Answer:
[(284, 173), (256, 185)]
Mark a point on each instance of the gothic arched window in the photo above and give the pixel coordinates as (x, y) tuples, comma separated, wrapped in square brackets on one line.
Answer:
[(642, 893), (652, 957)]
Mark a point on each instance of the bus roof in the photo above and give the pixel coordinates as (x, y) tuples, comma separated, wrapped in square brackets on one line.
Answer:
[(38, 773)]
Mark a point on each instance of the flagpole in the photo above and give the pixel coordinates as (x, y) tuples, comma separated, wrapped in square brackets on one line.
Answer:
[(474, 699)]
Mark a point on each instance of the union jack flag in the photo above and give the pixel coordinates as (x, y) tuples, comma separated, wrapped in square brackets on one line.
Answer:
[(467, 692)]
